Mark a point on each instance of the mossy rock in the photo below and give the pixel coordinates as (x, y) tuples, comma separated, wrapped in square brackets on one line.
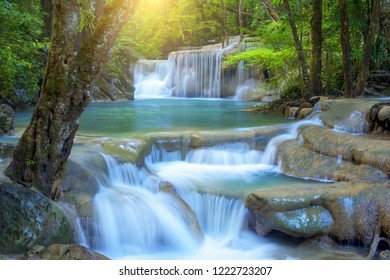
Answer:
[(29, 218)]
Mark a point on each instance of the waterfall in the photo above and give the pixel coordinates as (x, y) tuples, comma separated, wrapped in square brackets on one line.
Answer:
[(152, 79), (196, 73), (186, 74), (269, 155), (134, 219), (245, 81)]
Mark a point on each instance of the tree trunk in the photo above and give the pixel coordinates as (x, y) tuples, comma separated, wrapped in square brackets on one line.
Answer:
[(368, 45), (46, 144), (300, 52), (47, 8), (346, 49), (241, 23), (385, 22), (316, 49), (385, 26), (271, 11)]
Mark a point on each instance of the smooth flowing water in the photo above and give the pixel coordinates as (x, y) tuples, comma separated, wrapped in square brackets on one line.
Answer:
[(201, 215)]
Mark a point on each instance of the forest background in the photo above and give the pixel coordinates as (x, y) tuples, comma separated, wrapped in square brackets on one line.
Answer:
[(313, 46)]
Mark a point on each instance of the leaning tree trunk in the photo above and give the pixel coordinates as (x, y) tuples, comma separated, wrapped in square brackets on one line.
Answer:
[(271, 11), (368, 45), (299, 49), (346, 48), (46, 144), (316, 49)]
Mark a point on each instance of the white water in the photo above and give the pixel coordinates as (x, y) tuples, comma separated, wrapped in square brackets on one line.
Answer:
[(152, 79), (204, 218), (355, 124), (186, 74), (269, 156), (191, 74), (136, 220)]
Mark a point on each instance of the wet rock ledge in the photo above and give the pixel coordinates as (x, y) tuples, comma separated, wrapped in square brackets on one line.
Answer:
[(352, 199)]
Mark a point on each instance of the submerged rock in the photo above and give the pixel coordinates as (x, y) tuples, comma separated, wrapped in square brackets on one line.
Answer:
[(187, 213)]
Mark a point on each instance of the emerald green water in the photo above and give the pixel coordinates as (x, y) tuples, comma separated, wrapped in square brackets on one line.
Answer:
[(123, 119)]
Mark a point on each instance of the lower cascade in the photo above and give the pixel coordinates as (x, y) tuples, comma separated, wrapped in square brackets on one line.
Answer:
[(193, 216)]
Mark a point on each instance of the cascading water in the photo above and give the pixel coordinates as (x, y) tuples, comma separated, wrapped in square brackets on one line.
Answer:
[(193, 74), (196, 73), (186, 74), (152, 79), (135, 219)]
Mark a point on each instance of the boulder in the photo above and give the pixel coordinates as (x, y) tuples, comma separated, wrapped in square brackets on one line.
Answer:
[(29, 218), (378, 118), (304, 112)]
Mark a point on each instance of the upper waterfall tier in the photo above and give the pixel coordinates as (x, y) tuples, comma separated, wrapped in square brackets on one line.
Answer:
[(192, 74), (188, 74), (196, 73)]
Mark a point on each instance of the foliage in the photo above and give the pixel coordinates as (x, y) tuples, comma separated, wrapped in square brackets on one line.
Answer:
[(161, 26), (22, 50)]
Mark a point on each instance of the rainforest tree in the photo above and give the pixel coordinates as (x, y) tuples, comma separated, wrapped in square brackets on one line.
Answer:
[(46, 144)]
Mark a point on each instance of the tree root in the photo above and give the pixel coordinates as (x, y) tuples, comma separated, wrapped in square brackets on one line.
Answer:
[(375, 242)]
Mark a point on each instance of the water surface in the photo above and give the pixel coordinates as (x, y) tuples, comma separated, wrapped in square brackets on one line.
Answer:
[(123, 119)]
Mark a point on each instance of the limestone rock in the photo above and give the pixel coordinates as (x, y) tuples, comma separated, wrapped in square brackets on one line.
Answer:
[(307, 221), (384, 113), (379, 118), (167, 187), (292, 112), (298, 161), (345, 115), (304, 112), (356, 149), (345, 211)]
